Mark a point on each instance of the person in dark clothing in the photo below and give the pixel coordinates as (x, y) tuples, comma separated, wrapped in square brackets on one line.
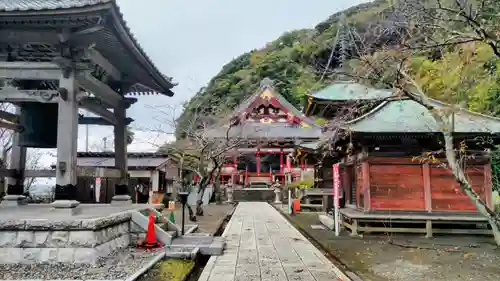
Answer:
[(142, 190)]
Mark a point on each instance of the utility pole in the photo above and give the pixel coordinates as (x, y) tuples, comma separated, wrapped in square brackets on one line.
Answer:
[(86, 136)]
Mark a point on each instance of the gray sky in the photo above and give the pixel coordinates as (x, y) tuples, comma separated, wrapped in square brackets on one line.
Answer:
[(191, 40)]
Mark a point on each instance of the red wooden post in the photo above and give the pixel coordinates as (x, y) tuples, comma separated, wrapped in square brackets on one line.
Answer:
[(488, 185), (281, 161), (366, 185), (426, 173)]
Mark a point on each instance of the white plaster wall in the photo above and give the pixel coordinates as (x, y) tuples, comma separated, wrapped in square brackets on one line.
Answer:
[(140, 174)]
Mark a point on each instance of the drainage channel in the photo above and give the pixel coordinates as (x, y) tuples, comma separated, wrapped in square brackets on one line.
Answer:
[(183, 270)]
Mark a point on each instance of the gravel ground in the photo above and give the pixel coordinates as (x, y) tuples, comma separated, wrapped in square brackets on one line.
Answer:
[(118, 265), (409, 257)]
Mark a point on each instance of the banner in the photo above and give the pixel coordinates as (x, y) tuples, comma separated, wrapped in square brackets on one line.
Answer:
[(336, 183), (336, 189), (97, 189)]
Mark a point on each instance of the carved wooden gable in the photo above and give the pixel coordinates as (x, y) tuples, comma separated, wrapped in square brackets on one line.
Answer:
[(267, 107)]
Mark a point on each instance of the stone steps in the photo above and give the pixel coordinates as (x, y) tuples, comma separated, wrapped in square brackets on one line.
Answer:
[(181, 252), (207, 244)]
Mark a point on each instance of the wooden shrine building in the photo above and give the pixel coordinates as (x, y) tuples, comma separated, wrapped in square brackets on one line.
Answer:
[(393, 169), (57, 57), (331, 101), (271, 128)]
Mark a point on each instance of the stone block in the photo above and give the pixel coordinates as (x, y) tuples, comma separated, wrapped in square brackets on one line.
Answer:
[(30, 255), (122, 241), (123, 228), (12, 200), (40, 238), (12, 224), (8, 238), (58, 239), (65, 254), (273, 273), (48, 255), (121, 200), (10, 255), (46, 224), (25, 239), (85, 255), (323, 275), (85, 238), (65, 204)]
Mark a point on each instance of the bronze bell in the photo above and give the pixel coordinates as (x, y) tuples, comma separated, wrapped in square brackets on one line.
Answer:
[(39, 123)]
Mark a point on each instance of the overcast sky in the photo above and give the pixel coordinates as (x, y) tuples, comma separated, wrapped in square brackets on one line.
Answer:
[(191, 40)]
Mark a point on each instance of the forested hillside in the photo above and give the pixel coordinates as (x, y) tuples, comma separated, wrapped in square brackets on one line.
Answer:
[(298, 59)]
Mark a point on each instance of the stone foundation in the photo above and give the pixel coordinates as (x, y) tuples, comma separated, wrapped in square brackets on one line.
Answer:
[(48, 241), (254, 194), (136, 234)]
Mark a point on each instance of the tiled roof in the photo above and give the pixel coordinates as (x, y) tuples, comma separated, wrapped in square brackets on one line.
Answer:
[(129, 155), (110, 162), (250, 130), (150, 78), (348, 90), (408, 116), (134, 160), (30, 5)]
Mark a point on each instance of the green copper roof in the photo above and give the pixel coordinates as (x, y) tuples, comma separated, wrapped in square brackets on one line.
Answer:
[(408, 116), (342, 91)]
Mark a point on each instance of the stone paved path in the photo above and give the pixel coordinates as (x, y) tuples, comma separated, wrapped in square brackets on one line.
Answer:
[(263, 246)]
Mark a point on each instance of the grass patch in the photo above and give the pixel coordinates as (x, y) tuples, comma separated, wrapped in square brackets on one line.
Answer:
[(172, 270)]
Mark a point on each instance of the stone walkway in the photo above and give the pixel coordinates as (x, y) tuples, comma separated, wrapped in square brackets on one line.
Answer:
[(262, 245)]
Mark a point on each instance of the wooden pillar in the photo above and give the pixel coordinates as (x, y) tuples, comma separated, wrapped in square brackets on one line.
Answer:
[(426, 176), (155, 183), (121, 189), (366, 185), (67, 136), (281, 161), (17, 162)]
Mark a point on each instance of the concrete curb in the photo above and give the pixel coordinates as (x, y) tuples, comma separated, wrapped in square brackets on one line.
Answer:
[(147, 267), (205, 274)]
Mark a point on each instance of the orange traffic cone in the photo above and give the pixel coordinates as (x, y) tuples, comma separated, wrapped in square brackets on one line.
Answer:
[(150, 241)]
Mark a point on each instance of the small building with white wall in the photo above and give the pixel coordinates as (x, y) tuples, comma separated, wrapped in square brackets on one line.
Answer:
[(158, 168)]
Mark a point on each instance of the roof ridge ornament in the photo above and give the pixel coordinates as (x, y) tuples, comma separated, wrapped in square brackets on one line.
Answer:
[(266, 82)]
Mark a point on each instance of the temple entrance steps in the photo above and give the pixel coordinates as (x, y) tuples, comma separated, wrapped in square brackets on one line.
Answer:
[(254, 194), (259, 179)]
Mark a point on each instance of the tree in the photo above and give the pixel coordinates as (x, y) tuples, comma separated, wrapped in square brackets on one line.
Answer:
[(461, 25), (200, 148), (129, 134), (211, 148)]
